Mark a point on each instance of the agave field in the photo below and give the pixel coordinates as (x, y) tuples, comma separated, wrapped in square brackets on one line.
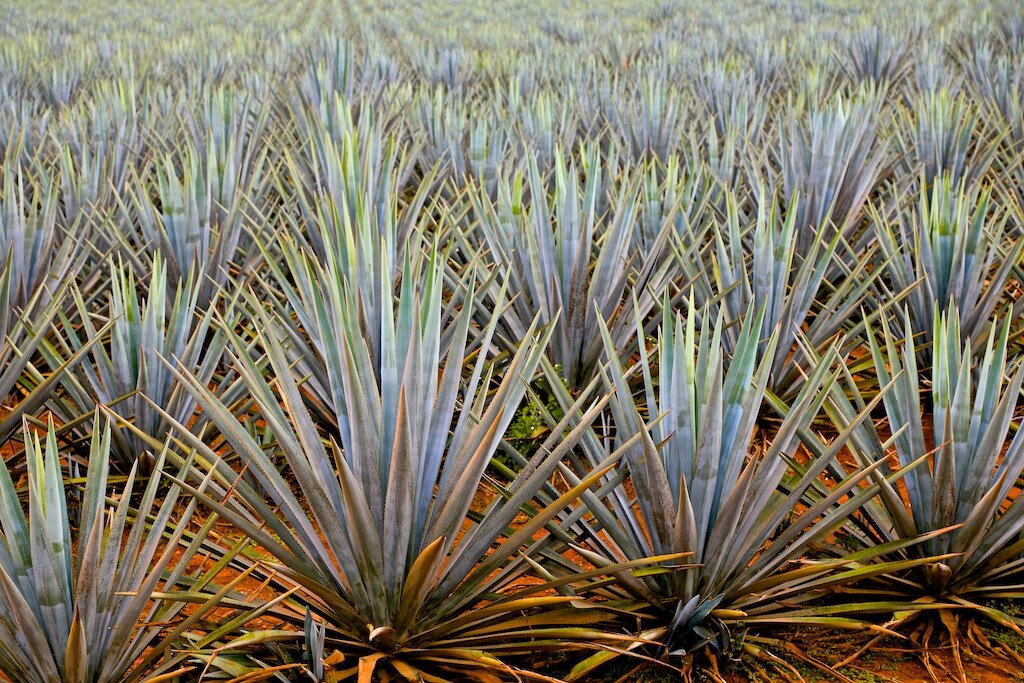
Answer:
[(621, 340)]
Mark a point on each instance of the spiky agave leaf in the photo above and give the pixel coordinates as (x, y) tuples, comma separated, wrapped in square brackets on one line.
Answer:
[(89, 615)]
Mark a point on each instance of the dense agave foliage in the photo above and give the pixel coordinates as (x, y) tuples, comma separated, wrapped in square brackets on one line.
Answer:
[(497, 341)]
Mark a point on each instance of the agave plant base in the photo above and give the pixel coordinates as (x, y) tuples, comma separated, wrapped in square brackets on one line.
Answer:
[(950, 643)]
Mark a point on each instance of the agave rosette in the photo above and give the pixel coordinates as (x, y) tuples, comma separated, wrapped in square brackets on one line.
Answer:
[(974, 459), (706, 485), (384, 553), (94, 614)]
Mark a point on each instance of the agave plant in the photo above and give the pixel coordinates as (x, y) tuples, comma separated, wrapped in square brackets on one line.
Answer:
[(90, 614), (571, 262), (544, 122), (647, 114), (126, 374), (233, 125), (348, 177), (331, 69), (24, 387), (352, 290), (950, 249), (41, 255), (756, 265), (976, 457), (404, 582), (999, 82), (197, 220), (878, 56), (833, 161), (672, 194), (707, 485), (465, 143), (347, 237), (738, 106), (99, 144), (944, 131), (963, 503), (40, 261)]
